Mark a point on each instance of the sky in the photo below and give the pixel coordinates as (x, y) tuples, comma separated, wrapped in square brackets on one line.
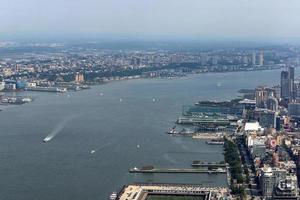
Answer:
[(168, 18)]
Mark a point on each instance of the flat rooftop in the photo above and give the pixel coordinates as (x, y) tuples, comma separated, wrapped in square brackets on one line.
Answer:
[(167, 197), (172, 192)]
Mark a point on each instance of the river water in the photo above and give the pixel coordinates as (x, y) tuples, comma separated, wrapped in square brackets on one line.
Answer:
[(123, 126)]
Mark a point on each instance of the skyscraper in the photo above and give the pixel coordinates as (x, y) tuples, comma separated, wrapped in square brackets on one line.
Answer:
[(261, 59), (245, 60), (264, 97), (261, 96), (284, 83), (79, 78), (291, 81), (253, 59), (287, 83)]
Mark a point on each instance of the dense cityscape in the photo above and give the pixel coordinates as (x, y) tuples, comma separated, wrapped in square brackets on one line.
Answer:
[(60, 67)]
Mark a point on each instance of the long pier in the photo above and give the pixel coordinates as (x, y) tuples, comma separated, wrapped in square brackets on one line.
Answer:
[(161, 170), (208, 165)]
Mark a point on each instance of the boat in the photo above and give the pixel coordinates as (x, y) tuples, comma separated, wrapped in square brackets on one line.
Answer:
[(93, 151), (84, 87), (172, 130), (135, 169), (47, 139), (113, 196), (219, 170), (185, 131), (215, 142)]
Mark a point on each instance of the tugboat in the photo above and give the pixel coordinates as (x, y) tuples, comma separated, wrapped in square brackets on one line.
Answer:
[(113, 196)]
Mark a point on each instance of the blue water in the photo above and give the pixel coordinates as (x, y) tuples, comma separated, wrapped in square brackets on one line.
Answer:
[(64, 168)]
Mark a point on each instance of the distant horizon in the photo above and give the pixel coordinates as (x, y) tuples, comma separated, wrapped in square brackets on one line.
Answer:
[(125, 37)]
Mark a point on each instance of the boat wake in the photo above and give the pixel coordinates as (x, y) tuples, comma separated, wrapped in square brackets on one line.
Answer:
[(100, 148), (58, 128)]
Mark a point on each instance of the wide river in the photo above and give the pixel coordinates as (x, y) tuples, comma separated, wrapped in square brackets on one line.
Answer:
[(121, 123)]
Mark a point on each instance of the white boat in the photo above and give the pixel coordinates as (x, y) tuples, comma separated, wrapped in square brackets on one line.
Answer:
[(93, 151), (113, 196), (47, 139)]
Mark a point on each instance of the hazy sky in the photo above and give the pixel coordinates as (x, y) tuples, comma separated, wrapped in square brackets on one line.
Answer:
[(195, 18)]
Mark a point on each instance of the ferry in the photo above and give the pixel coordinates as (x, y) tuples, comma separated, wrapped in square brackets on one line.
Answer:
[(113, 196)]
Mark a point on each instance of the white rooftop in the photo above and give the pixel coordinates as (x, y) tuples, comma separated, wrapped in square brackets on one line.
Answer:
[(252, 126)]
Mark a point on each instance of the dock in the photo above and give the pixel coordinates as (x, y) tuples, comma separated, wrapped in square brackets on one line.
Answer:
[(208, 165), (209, 136), (203, 120), (192, 171)]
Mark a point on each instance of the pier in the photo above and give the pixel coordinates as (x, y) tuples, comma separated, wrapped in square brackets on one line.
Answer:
[(142, 191), (209, 136), (205, 164), (203, 120), (168, 170)]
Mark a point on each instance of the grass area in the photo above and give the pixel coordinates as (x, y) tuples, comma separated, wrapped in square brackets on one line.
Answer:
[(233, 159), (169, 197)]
